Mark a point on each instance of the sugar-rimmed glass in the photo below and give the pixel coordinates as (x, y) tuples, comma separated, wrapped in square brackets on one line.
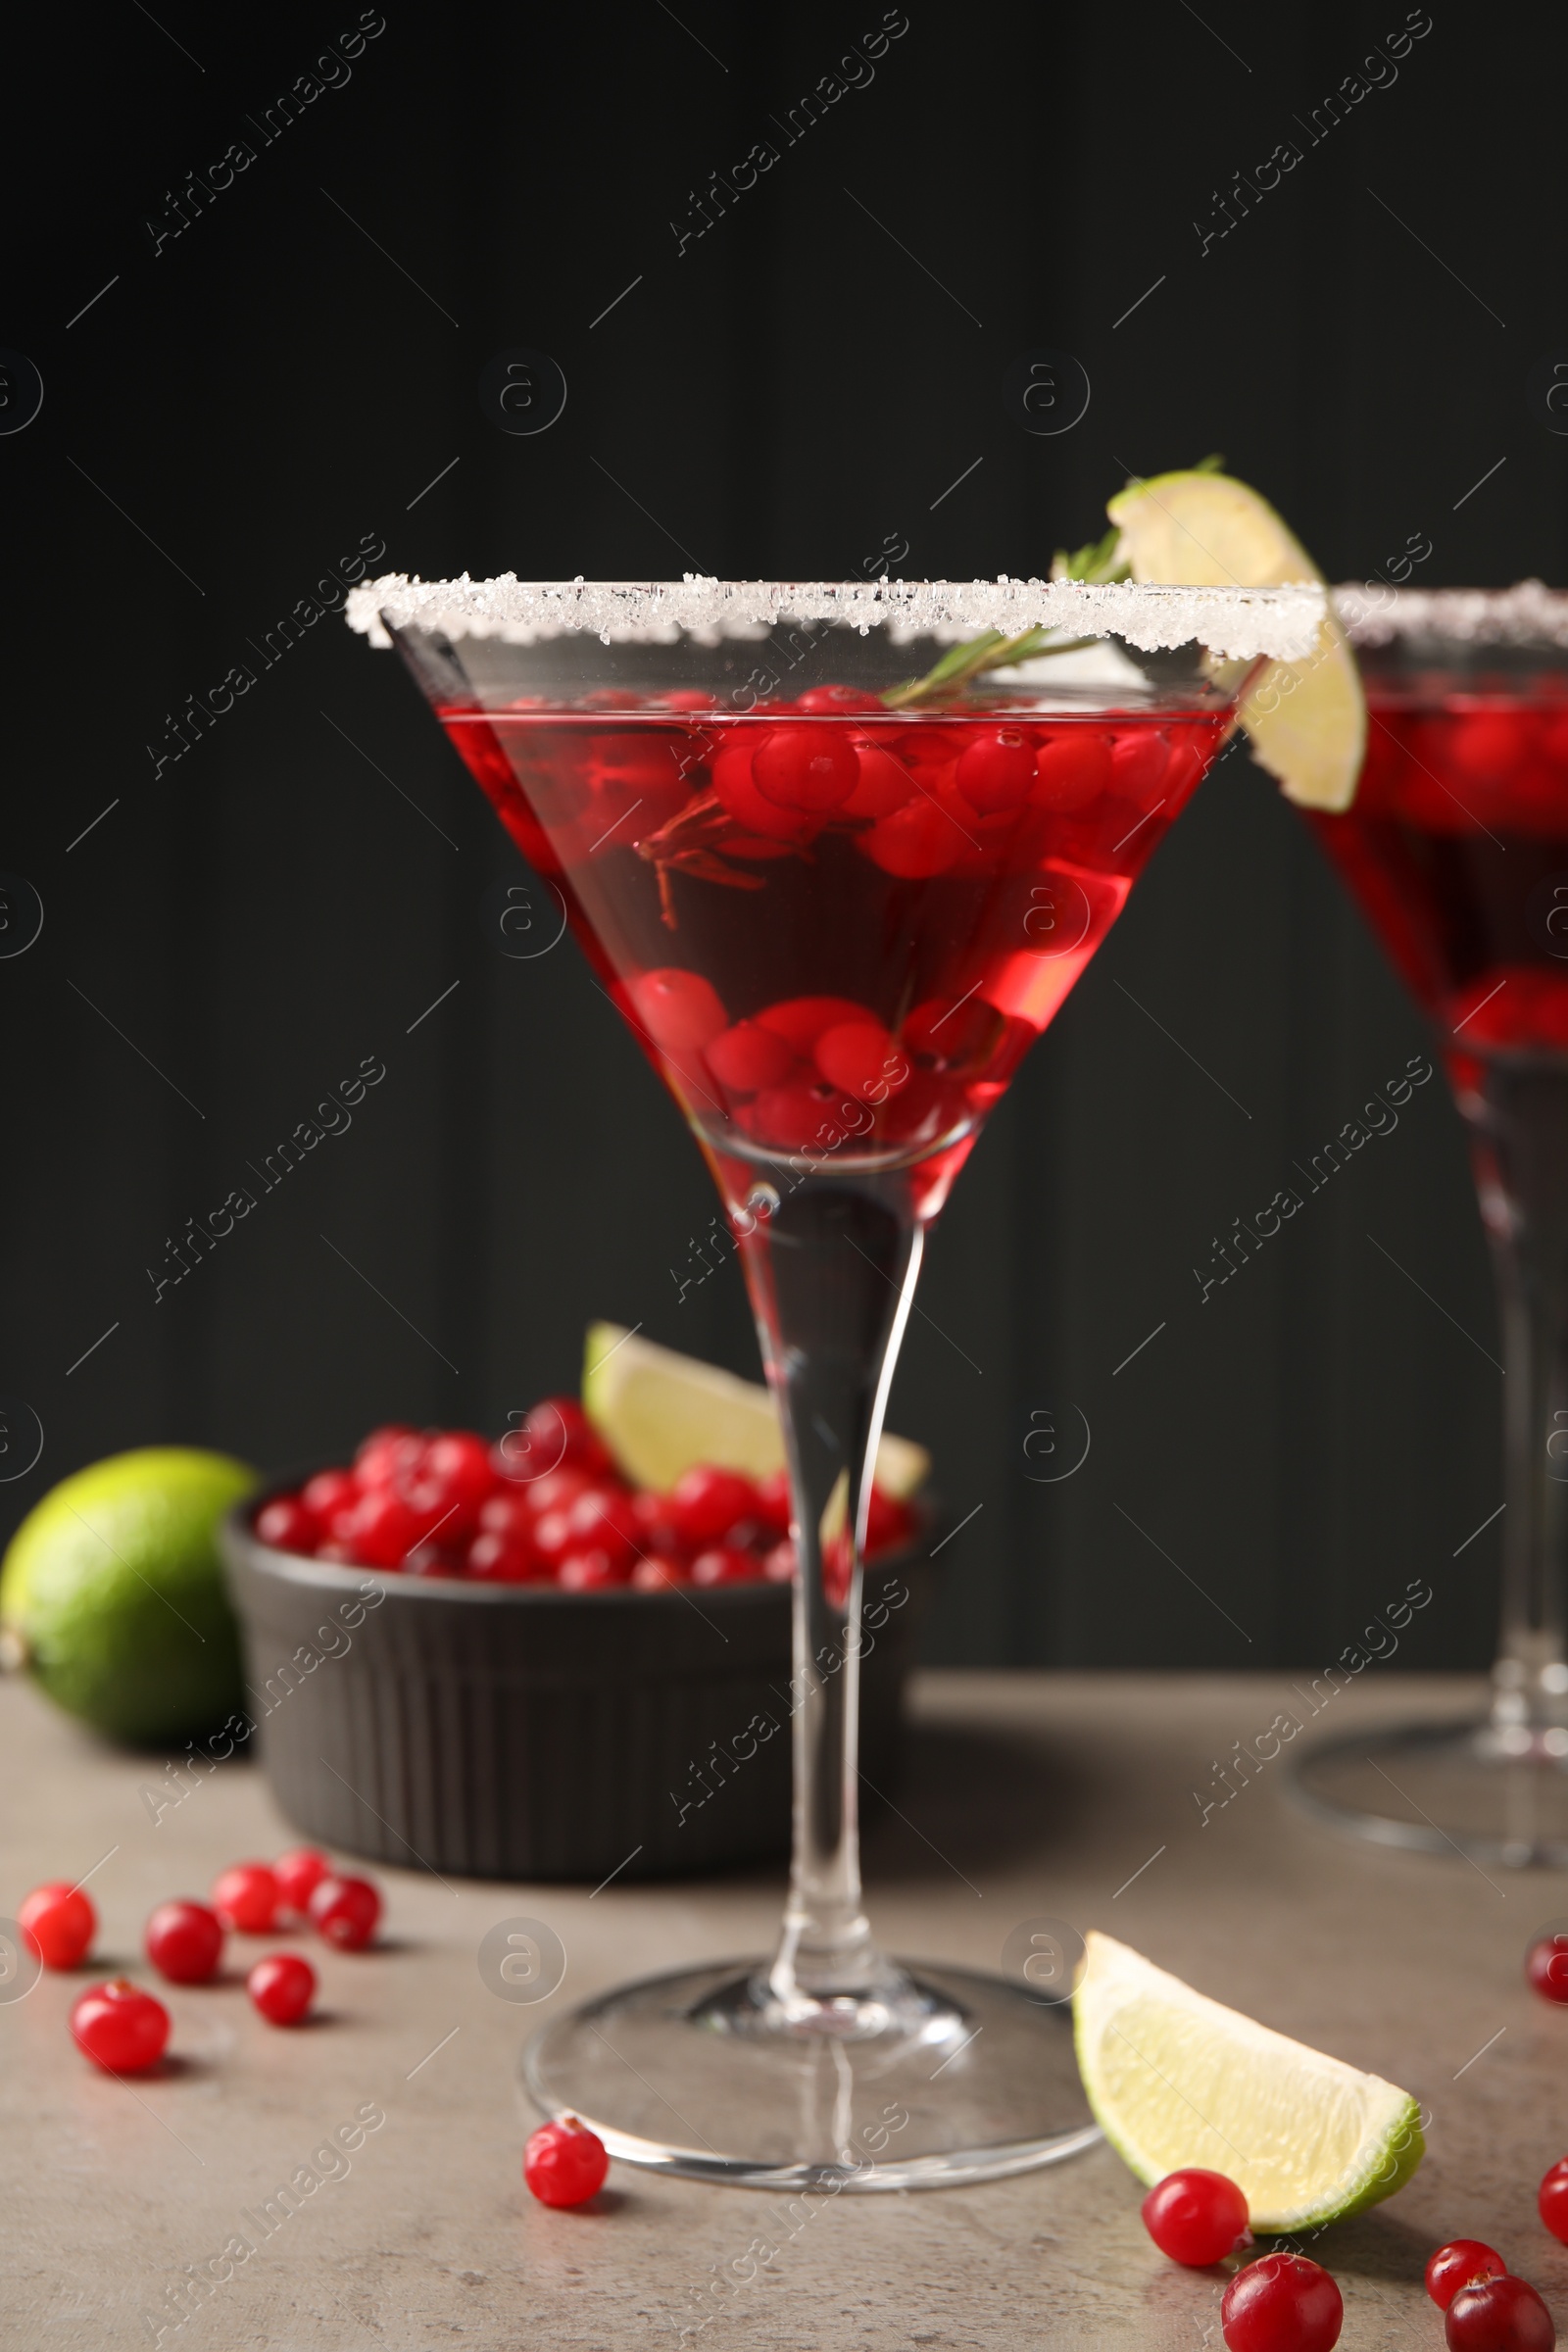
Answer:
[(1456, 851), (837, 873)]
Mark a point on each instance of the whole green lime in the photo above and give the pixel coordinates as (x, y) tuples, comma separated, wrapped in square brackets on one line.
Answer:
[(111, 1592)]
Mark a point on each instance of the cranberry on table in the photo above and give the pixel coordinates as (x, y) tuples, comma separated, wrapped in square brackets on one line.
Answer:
[(779, 1564), (246, 1896), (1501, 2315), (118, 2027), (58, 1922), (705, 1502), (1196, 2217), (286, 1523), (184, 1942), (1462, 2262), (299, 1873), (1546, 1968), (282, 1986), (344, 1911), (1551, 2199), (564, 2163), (1283, 2303)]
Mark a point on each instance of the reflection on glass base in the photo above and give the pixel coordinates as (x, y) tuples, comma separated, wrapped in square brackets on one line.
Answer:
[(1492, 1795), (965, 2077)]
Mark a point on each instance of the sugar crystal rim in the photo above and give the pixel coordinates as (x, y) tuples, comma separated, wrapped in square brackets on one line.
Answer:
[(1235, 624), (1527, 613)]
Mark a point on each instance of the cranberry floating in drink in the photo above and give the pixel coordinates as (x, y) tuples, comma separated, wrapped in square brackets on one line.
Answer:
[(837, 854), (1456, 849)]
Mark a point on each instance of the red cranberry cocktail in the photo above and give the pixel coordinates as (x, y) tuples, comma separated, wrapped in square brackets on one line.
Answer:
[(836, 927), (837, 852), (1456, 849)]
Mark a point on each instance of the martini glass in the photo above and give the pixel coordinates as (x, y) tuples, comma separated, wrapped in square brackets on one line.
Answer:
[(836, 897), (1456, 849)]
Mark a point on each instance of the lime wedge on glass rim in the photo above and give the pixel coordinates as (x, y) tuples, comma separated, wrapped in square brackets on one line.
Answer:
[(661, 1413), (1175, 2079), (1306, 720)]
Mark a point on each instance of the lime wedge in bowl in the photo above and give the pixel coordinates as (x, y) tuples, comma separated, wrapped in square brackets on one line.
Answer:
[(1174, 2079), (1306, 720), (661, 1413)]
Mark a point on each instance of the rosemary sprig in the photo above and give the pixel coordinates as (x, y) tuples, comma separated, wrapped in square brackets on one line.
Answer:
[(991, 650), (1100, 562)]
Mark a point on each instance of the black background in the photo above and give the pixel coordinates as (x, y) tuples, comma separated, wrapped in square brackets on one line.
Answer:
[(798, 387)]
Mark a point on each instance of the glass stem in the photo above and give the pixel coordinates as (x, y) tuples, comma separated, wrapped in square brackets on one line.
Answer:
[(1519, 1133), (831, 1273)]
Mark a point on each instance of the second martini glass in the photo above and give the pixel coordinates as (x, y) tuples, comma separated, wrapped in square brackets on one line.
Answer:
[(1456, 849), (836, 853)]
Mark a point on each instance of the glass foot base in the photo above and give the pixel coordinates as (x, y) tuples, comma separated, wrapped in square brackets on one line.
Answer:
[(1443, 1788), (956, 2078)]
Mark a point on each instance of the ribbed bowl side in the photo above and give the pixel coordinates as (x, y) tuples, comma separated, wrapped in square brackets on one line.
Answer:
[(530, 1735)]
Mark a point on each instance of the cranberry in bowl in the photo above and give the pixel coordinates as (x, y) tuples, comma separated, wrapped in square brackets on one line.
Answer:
[(512, 1662)]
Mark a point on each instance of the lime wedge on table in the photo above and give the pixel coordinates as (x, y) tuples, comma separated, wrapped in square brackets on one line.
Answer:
[(1306, 720), (660, 1412), (1174, 2079)]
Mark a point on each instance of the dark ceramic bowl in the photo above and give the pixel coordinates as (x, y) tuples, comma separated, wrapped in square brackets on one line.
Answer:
[(518, 1732)]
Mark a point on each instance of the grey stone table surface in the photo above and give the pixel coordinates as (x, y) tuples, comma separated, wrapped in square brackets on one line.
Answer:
[(1067, 1794)]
